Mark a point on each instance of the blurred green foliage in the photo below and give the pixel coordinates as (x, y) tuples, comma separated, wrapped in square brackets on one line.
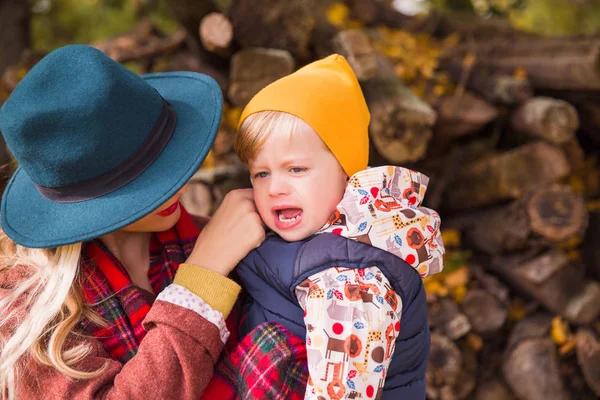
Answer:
[(59, 22), (548, 17)]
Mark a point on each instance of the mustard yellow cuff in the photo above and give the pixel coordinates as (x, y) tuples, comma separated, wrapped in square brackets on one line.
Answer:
[(216, 290)]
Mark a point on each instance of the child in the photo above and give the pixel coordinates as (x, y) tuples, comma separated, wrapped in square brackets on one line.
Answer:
[(356, 302)]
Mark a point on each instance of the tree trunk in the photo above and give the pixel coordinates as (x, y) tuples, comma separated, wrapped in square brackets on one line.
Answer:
[(541, 218), (14, 31), (588, 356), (507, 175), (401, 123), (457, 117), (497, 88), (285, 25), (143, 43), (355, 46), (554, 281), (552, 120), (253, 69), (557, 64)]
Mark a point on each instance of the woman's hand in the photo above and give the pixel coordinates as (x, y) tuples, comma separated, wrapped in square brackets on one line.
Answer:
[(233, 231)]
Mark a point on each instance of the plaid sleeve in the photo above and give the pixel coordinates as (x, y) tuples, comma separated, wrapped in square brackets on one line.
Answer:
[(353, 319)]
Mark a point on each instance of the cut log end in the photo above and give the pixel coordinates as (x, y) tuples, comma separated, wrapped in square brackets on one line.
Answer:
[(532, 371), (253, 69), (444, 367), (557, 213), (486, 314), (508, 175), (216, 33), (588, 357), (355, 46), (546, 118), (401, 123)]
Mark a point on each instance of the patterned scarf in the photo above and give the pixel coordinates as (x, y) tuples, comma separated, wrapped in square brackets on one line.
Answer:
[(268, 363), (107, 287)]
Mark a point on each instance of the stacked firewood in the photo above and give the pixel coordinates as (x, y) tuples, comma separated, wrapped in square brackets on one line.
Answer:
[(505, 124)]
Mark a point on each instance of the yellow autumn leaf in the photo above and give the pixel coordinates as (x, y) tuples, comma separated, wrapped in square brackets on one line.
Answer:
[(516, 310), (435, 288), (451, 40), (559, 330), (593, 205), (337, 14), (571, 243), (21, 73), (459, 293), (574, 255), (232, 116), (567, 347), (451, 237), (439, 90), (468, 60), (577, 183), (474, 341), (456, 278), (209, 161), (354, 24), (520, 73)]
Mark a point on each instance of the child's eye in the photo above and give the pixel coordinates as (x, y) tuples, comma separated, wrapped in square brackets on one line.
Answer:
[(261, 175), (297, 170)]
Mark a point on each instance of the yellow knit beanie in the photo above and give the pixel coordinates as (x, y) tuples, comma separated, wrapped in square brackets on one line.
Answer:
[(327, 96)]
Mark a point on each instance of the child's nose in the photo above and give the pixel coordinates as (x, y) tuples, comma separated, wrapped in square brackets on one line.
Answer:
[(278, 186)]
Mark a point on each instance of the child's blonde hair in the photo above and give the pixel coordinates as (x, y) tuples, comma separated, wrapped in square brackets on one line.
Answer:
[(256, 129), (52, 302)]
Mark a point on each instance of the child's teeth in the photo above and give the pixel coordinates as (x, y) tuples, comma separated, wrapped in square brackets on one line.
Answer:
[(283, 219)]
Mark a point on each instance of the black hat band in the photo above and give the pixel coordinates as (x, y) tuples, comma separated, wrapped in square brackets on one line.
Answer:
[(118, 177)]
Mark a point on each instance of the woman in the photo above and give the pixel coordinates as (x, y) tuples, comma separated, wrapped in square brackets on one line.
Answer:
[(106, 289)]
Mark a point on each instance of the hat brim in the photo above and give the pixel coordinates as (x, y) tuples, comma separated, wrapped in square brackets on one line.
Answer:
[(33, 221)]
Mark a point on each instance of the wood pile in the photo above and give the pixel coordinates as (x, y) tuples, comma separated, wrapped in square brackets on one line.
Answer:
[(505, 124)]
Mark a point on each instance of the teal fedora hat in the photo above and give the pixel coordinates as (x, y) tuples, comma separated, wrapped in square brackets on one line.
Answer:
[(99, 146)]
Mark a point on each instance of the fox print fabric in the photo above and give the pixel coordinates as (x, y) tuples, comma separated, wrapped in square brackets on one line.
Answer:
[(382, 207), (352, 318)]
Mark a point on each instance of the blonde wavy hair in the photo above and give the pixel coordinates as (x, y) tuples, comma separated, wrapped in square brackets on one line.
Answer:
[(51, 301)]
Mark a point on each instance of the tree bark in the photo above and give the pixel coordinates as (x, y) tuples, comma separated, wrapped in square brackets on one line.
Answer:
[(554, 281), (143, 43), (285, 25), (497, 88), (588, 356), (14, 31), (401, 123), (253, 69), (355, 46), (507, 175), (446, 318), (457, 117), (541, 218), (557, 64)]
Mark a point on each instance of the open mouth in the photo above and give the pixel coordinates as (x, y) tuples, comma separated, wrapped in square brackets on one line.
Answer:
[(287, 217)]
